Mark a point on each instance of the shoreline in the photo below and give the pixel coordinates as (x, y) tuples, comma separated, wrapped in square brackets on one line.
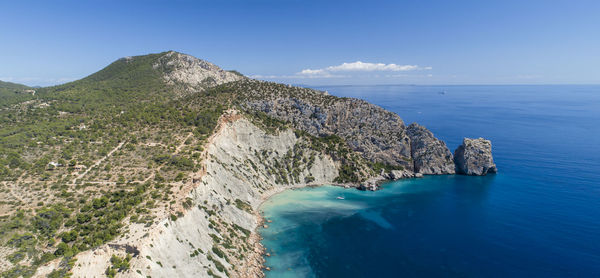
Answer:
[(255, 262)]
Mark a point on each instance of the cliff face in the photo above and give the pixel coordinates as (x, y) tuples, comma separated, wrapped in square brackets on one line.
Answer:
[(368, 129), (474, 157), (430, 155), (243, 166), (379, 135)]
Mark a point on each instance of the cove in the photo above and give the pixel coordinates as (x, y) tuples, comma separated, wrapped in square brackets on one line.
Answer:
[(538, 217), (436, 226)]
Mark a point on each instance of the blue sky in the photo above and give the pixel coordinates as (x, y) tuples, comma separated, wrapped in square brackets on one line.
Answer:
[(312, 42)]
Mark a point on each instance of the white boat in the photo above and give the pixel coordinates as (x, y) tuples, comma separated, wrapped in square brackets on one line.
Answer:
[(340, 198)]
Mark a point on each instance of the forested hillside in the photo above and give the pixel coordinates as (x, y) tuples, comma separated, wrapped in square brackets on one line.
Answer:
[(77, 159)]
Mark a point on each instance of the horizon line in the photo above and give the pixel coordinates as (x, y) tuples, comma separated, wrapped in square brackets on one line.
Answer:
[(465, 84), (365, 85)]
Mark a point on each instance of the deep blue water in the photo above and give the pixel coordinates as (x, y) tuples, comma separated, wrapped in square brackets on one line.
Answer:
[(538, 217)]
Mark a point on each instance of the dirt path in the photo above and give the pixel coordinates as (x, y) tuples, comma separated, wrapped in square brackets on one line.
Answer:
[(9, 196), (98, 162), (13, 192), (177, 149)]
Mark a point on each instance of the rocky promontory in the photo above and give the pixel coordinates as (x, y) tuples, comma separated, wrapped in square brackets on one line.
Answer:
[(430, 155), (474, 157), (377, 134)]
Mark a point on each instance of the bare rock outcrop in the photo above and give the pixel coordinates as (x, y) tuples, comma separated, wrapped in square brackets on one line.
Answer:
[(474, 157), (403, 174), (379, 135), (430, 155), (372, 184), (191, 72)]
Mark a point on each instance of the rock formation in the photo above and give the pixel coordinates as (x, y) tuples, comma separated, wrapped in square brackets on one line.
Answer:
[(402, 174), (474, 157), (430, 156), (379, 135), (196, 74)]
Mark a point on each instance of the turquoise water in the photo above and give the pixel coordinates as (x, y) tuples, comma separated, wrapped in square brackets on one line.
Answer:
[(538, 217)]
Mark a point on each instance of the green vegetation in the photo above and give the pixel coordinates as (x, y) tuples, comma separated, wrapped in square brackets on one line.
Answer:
[(47, 139), (246, 232), (245, 206), (267, 123), (353, 166), (218, 252), (378, 166), (118, 264), (220, 267), (13, 93), (235, 72)]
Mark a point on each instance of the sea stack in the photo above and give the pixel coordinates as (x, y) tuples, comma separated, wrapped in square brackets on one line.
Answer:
[(474, 157)]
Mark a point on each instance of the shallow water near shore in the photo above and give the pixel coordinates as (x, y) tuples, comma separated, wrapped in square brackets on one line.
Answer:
[(539, 217)]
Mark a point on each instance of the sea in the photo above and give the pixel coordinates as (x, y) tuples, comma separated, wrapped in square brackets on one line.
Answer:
[(539, 216)]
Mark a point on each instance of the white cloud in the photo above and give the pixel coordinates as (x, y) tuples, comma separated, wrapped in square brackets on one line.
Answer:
[(359, 66), (349, 70), (312, 72)]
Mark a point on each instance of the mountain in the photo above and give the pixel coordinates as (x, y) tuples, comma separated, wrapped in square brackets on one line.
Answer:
[(12, 86), (156, 165), (11, 93), (150, 72)]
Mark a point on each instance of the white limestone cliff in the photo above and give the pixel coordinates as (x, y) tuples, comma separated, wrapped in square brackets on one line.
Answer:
[(241, 161)]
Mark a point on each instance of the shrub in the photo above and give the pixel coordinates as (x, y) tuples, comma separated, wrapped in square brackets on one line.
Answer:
[(245, 206)]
